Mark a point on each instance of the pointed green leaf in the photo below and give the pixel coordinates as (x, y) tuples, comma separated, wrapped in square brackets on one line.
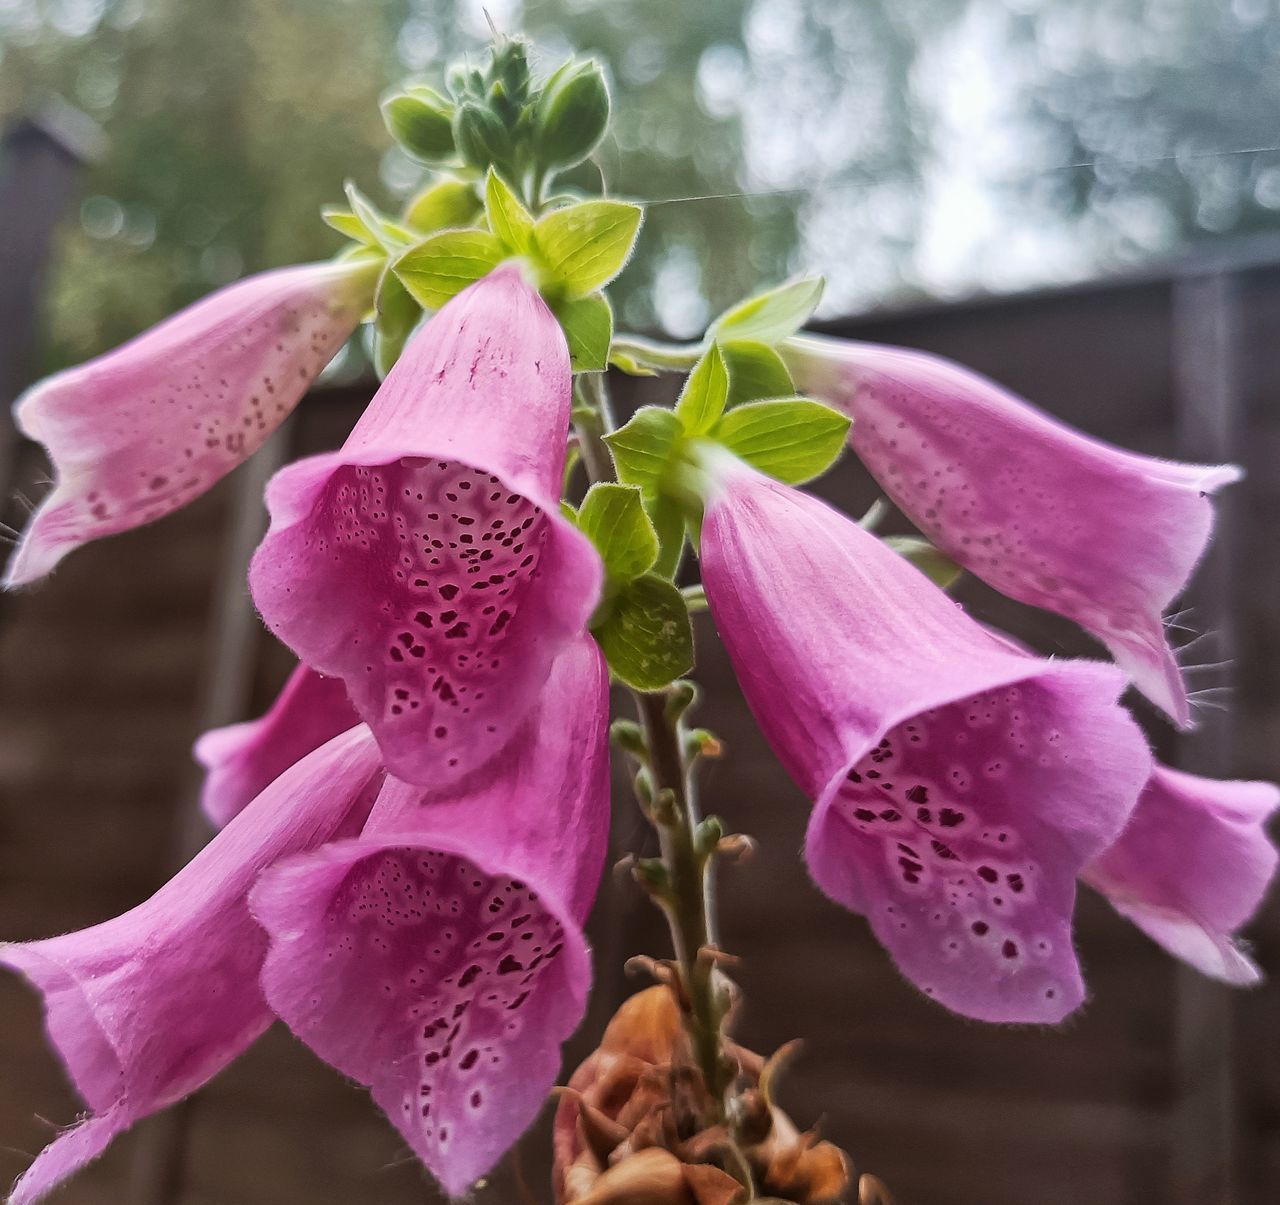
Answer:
[(346, 223), (793, 440), (647, 638), (444, 264), (705, 393), (936, 566), (396, 314), (385, 232), (613, 518), (588, 328), (642, 449), (449, 205), (585, 246), (756, 372), (667, 517), (773, 316), (508, 218)]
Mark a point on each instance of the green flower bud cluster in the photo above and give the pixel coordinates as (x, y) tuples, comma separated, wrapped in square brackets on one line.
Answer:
[(494, 116)]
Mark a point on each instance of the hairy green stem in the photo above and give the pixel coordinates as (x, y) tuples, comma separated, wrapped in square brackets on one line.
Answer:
[(686, 902), (687, 897)]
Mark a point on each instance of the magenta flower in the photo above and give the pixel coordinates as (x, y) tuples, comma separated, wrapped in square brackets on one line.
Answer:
[(242, 760), (1192, 867), (959, 786), (1042, 513), (140, 432), (145, 1008), (426, 562), (439, 958)]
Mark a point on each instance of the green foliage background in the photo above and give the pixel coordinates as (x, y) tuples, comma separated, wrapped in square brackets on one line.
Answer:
[(231, 121)]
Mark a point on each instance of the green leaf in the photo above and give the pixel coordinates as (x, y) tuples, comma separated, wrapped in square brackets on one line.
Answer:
[(756, 371), (449, 205), (588, 328), (444, 264), (793, 440), (705, 393), (613, 518), (940, 569), (642, 449), (770, 317), (346, 223), (383, 230), (667, 517), (585, 246), (646, 637), (508, 218), (396, 314)]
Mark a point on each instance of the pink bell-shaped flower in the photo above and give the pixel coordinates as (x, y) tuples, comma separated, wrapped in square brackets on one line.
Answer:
[(1192, 866), (439, 957), (1041, 512), (141, 431), (959, 786), (426, 562), (242, 760), (146, 1008)]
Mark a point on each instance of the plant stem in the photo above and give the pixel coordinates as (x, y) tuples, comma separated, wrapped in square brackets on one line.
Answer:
[(687, 901), (657, 353)]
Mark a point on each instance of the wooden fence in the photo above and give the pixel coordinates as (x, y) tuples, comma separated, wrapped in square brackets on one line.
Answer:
[(1165, 1089)]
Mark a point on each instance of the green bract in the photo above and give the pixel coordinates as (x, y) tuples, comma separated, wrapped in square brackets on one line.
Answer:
[(705, 393), (793, 440), (643, 449), (396, 314), (446, 205), (646, 635), (772, 316), (613, 518), (588, 329), (507, 217), (583, 247), (441, 266), (756, 372)]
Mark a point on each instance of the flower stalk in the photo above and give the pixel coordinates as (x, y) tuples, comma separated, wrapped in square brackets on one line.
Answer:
[(686, 891)]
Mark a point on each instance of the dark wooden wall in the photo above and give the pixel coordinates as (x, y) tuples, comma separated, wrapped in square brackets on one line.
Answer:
[(1163, 1089)]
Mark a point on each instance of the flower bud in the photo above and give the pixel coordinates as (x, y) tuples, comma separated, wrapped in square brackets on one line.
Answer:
[(482, 140), (420, 120), (509, 74), (571, 114)]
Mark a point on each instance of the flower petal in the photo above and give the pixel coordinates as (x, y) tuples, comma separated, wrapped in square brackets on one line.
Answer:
[(426, 563), (242, 760), (439, 958), (960, 786), (67, 1154), (145, 1008), (141, 431), (1041, 512), (1192, 866)]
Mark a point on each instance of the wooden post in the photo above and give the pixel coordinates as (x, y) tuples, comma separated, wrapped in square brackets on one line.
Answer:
[(1207, 429), (40, 162)]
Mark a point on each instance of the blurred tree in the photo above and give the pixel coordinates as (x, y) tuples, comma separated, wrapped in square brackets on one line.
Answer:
[(1150, 94), (901, 146)]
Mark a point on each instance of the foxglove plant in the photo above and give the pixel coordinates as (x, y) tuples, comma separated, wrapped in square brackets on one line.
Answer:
[(410, 839)]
